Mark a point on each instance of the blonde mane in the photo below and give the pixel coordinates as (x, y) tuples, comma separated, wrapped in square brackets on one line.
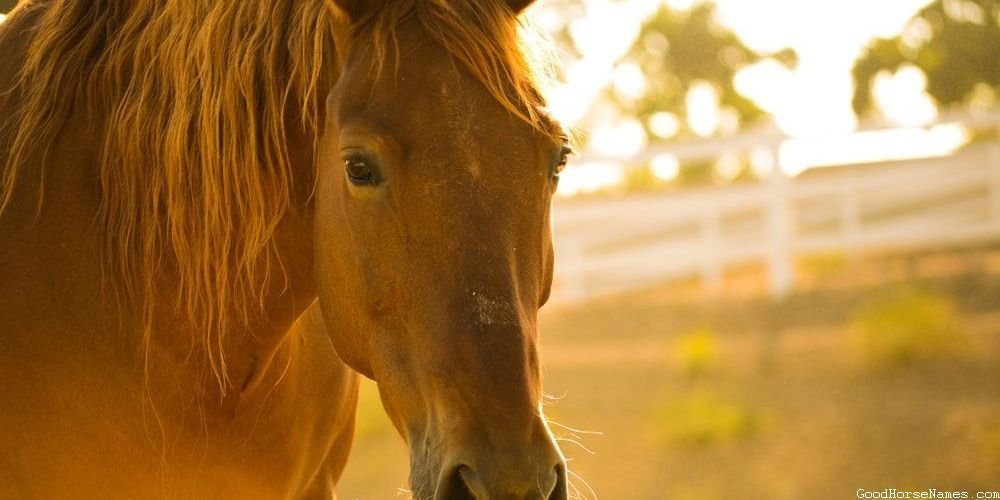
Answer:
[(196, 99)]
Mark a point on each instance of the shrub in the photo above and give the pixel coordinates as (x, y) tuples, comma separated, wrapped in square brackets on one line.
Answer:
[(697, 351), (904, 326), (703, 418)]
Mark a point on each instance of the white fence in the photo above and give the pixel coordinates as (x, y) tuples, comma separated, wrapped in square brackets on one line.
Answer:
[(606, 246)]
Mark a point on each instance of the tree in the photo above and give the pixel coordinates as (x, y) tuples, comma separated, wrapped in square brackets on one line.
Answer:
[(678, 50), (954, 42)]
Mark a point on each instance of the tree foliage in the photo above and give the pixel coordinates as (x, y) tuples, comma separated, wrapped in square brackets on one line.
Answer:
[(678, 49), (954, 42)]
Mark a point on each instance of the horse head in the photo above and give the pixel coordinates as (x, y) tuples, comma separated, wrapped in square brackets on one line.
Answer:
[(434, 249)]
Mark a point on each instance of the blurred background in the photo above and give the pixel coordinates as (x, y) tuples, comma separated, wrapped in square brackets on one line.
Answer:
[(778, 251)]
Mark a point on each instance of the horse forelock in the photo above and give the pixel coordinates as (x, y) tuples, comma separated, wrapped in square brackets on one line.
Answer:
[(196, 99)]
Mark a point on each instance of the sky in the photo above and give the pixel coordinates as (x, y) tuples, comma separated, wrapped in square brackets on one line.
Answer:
[(810, 103)]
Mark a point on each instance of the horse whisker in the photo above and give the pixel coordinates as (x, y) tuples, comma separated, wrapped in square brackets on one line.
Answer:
[(590, 489), (573, 441), (577, 431)]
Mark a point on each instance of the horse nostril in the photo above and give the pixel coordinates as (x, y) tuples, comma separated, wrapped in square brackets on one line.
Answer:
[(457, 485), (561, 489)]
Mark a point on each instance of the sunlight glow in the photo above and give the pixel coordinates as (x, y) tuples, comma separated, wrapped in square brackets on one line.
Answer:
[(681, 5), (664, 125), (917, 33), (766, 83), (728, 167), (570, 101), (629, 82), (665, 167), (590, 177), (702, 104), (589, 33), (594, 71), (815, 98), (621, 140), (983, 97), (806, 102), (762, 162), (813, 25), (798, 155), (965, 11), (902, 97), (3, 17)]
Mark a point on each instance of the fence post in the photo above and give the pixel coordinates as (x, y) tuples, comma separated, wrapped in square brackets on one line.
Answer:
[(712, 271), (780, 233)]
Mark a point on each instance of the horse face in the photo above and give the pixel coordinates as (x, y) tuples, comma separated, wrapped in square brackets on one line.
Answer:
[(434, 255)]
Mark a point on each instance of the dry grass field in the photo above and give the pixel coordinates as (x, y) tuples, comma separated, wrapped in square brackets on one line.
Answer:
[(880, 374)]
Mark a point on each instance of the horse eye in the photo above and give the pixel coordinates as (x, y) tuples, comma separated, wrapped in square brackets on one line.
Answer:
[(563, 160), (360, 171)]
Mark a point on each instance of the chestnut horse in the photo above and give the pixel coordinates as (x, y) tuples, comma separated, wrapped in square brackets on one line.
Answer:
[(216, 214)]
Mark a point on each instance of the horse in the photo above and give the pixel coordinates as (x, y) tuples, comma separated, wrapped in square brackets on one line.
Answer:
[(216, 217)]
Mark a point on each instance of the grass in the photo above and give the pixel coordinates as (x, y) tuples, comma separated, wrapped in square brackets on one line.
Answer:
[(904, 326), (697, 351), (825, 266), (747, 398), (703, 418)]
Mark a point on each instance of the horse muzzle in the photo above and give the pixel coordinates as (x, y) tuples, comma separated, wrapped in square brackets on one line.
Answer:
[(492, 482)]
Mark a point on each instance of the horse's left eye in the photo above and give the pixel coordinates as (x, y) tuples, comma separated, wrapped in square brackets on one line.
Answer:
[(563, 160), (360, 171)]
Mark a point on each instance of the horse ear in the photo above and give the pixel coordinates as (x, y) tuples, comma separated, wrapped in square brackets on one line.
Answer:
[(357, 9), (519, 5)]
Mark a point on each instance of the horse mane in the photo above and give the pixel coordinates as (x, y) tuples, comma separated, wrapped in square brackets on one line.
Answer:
[(196, 100)]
